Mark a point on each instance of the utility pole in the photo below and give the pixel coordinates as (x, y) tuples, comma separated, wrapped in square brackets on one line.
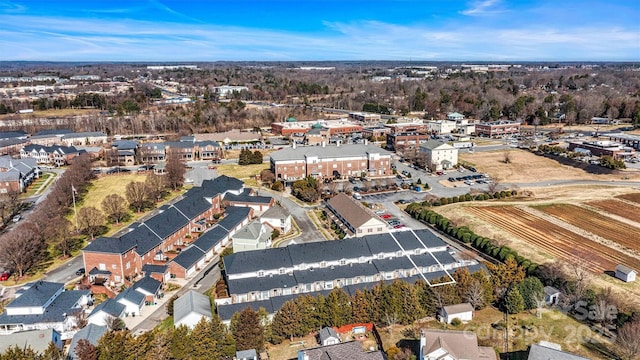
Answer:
[(75, 211)]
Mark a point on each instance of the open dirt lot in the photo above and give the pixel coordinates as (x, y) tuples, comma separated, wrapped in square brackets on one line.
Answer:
[(526, 167), (572, 224)]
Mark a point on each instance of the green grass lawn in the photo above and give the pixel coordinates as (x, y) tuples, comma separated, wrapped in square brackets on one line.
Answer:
[(242, 172), (35, 186), (107, 185)]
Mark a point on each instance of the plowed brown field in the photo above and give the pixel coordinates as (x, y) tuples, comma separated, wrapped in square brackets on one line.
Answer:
[(635, 197), (619, 208), (593, 222), (553, 239)]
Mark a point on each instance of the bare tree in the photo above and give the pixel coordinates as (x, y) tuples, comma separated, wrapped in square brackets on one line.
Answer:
[(90, 220), (115, 207), (475, 295), (628, 340), (175, 170), (60, 235), (22, 250), (114, 323), (85, 350), (137, 194), (157, 185)]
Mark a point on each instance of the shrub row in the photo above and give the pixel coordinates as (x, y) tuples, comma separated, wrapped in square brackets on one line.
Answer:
[(466, 235), (468, 197)]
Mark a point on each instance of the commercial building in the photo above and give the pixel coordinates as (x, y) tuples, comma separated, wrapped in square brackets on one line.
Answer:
[(408, 127), (439, 127), (604, 148), (335, 127), (404, 141), (322, 161), (497, 128), (366, 118)]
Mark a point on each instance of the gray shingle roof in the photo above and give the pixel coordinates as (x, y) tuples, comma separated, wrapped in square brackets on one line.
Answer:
[(132, 296), (147, 284), (211, 238), (276, 212), (349, 350), (251, 231), (326, 333), (246, 285), (328, 250), (191, 302), (299, 153), (83, 135), (53, 132), (38, 294), (37, 340), (248, 261), (433, 144), (92, 333), (109, 306), (111, 245), (189, 257), (234, 215), (539, 352), (245, 197), (154, 269), (63, 305)]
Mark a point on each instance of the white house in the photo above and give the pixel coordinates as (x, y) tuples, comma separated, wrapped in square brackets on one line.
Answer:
[(278, 218), (190, 308), (254, 236), (132, 301), (464, 312), (439, 155), (109, 308), (328, 336), (625, 274)]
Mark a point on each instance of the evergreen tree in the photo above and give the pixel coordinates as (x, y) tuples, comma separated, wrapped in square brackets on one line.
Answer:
[(224, 339), (203, 344), (180, 344), (115, 345), (19, 353), (308, 317), (52, 352), (361, 306), (532, 291), (159, 346), (322, 314), (411, 309), (513, 302), (339, 308), (286, 322), (247, 330)]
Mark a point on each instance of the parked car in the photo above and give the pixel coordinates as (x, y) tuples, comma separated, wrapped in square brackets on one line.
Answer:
[(5, 276), (357, 196), (146, 167), (403, 201), (386, 216), (16, 218), (398, 226), (80, 271)]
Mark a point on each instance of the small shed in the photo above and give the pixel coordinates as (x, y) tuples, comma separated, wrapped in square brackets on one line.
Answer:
[(625, 274), (551, 295), (463, 311), (190, 308), (328, 336), (250, 354)]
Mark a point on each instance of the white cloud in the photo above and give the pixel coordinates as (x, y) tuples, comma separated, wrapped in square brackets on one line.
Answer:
[(64, 39), (484, 7)]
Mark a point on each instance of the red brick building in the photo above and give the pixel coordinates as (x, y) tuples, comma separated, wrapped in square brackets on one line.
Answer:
[(497, 128), (412, 127), (335, 127), (400, 142), (157, 240), (330, 161)]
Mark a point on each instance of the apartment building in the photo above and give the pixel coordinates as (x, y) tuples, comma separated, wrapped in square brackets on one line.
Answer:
[(401, 142), (324, 161), (439, 155)]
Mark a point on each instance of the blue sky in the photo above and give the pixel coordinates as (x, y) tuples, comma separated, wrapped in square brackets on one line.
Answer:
[(288, 30)]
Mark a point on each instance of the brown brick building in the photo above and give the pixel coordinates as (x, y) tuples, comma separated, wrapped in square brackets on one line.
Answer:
[(497, 128), (329, 161), (400, 142), (157, 239)]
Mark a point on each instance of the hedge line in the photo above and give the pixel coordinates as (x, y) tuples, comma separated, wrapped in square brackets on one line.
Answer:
[(468, 197), (488, 246)]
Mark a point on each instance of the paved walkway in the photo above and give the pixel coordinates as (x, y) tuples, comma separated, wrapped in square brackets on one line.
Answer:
[(147, 310)]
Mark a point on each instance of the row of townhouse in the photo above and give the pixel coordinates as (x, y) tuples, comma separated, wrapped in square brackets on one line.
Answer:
[(187, 150), (267, 278), (57, 155), (176, 229), (17, 174)]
